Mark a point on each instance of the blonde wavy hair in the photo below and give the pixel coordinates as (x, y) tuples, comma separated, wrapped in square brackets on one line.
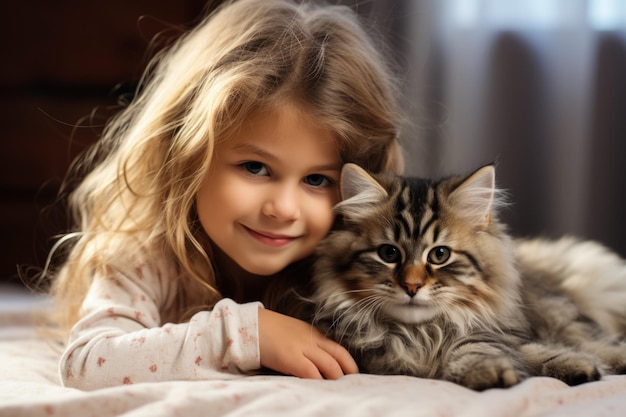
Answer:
[(137, 200)]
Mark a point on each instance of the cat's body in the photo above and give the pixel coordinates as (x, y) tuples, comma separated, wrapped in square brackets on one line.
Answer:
[(420, 278)]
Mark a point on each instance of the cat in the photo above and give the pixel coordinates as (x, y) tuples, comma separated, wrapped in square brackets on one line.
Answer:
[(419, 277)]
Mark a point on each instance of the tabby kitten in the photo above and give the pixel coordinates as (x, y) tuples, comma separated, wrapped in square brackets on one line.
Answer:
[(419, 277)]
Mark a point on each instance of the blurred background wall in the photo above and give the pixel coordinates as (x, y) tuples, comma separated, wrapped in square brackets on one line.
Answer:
[(65, 66), (538, 85)]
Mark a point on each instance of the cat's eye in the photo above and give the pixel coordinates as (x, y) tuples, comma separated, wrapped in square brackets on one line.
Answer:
[(439, 255), (389, 253)]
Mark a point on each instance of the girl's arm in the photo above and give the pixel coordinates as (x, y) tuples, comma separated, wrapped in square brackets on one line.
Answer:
[(120, 338)]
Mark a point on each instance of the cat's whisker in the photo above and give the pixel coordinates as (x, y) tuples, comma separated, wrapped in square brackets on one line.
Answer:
[(365, 308), (360, 305)]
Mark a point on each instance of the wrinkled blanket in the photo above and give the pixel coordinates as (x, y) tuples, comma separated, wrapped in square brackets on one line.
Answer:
[(29, 386)]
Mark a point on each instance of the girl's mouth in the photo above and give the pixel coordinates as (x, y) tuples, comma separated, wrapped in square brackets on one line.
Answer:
[(270, 239)]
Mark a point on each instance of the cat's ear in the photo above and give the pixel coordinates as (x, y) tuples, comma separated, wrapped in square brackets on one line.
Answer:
[(474, 198), (358, 191), (358, 185)]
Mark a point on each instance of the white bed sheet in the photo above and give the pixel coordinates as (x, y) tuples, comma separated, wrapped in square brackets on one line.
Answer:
[(29, 387)]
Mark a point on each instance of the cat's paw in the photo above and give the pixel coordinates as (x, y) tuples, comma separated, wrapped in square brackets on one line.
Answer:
[(617, 366), (574, 368), (614, 357), (620, 368), (481, 373)]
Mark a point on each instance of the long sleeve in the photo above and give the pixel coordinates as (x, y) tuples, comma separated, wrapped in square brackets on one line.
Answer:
[(120, 338)]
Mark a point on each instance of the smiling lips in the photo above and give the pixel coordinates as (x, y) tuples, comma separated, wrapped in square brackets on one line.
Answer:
[(270, 239)]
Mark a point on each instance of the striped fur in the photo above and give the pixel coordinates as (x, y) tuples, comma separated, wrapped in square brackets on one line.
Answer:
[(419, 277)]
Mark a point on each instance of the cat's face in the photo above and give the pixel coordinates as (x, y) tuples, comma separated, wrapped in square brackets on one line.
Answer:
[(414, 249)]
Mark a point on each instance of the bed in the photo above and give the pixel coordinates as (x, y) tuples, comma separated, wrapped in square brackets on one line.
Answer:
[(29, 386)]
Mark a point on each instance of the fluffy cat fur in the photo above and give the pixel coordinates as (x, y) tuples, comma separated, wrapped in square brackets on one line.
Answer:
[(419, 277)]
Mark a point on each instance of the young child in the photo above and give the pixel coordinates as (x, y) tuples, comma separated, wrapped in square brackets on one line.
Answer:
[(218, 178)]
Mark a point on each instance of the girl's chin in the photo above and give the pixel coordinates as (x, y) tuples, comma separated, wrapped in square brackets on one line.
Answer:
[(263, 270)]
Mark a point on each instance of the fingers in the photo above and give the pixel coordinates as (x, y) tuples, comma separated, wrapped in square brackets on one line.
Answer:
[(292, 346), (315, 363), (331, 359), (326, 364), (305, 368), (340, 356)]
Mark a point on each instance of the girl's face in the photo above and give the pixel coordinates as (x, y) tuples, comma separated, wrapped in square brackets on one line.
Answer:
[(267, 200)]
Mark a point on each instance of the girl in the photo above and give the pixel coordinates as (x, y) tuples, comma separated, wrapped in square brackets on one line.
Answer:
[(219, 178)]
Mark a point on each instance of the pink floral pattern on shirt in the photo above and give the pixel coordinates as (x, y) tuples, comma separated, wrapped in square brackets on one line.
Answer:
[(120, 339)]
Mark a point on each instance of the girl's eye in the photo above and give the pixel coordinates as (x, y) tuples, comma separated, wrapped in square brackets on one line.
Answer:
[(389, 253), (255, 168), (439, 255), (317, 180)]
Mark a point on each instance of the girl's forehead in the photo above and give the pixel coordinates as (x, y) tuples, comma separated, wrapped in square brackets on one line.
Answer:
[(286, 109), (284, 132), (289, 118)]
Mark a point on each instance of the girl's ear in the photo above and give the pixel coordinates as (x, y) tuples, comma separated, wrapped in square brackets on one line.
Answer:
[(474, 198), (359, 191)]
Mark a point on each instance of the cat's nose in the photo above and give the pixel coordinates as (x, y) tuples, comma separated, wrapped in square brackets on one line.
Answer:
[(413, 279), (411, 289)]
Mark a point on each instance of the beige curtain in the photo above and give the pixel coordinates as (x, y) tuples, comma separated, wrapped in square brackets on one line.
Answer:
[(538, 85)]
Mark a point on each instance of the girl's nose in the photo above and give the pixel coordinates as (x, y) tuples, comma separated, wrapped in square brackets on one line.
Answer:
[(282, 203)]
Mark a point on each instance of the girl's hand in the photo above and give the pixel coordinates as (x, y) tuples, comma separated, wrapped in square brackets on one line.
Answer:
[(294, 347)]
